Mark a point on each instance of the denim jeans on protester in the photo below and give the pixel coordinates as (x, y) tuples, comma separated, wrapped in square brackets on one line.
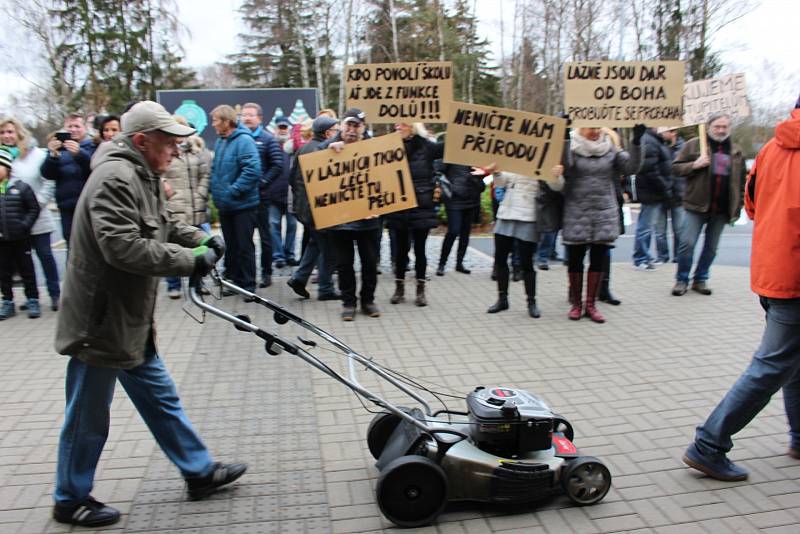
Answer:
[(775, 365), (547, 244), (693, 223), (90, 390), (459, 225), (649, 215), (282, 248), (174, 282), (676, 214), (41, 245), (318, 252)]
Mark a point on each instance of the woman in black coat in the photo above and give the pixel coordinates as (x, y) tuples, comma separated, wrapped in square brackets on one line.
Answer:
[(415, 223), (461, 208)]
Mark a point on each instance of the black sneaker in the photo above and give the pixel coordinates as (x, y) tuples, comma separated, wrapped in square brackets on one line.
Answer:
[(370, 309), (88, 513), (280, 264), (330, 296), (222, 474), (299, 288), (266, 281), (292, 262), (348, 313)]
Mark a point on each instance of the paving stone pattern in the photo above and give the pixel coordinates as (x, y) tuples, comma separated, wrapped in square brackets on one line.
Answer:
[(633, 388)]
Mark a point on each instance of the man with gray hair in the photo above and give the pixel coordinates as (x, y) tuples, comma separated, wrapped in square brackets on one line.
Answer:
[(713, 198), (123, 241)]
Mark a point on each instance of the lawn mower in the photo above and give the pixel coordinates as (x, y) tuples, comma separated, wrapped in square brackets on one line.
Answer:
[(507, 447)]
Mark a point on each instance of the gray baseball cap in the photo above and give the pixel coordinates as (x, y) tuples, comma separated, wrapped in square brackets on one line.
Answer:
[(148, 116)]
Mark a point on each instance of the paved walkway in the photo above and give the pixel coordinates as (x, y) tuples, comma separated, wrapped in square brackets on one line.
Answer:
[(634, 388)]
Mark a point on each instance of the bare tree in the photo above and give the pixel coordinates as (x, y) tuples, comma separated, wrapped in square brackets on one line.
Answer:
[(346, 57)]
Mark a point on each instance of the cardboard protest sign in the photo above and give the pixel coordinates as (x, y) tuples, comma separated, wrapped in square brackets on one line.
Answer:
[(703, 98), (618, 93), (366, 178), (516, 141), (401, 92)]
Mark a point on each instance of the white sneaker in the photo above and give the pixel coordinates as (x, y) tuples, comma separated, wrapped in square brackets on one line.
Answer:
[(647, 267), (174, 294), (658, 262)]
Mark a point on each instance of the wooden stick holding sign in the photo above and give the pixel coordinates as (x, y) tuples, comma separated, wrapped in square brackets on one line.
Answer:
[(366, 178), (701, 135)]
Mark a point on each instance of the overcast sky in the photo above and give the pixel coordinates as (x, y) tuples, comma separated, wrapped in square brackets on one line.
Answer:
[(763, 35)]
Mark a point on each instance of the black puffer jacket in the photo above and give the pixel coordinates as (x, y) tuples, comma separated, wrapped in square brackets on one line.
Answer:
[(467, 188), (18, 210), (654, 179), (302, 210), (421, 155)]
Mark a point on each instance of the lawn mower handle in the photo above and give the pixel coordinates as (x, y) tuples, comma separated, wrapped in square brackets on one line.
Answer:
[(273, 340)]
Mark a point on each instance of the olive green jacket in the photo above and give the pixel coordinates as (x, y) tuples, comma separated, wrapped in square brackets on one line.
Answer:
[(697, 196), (122, 242)]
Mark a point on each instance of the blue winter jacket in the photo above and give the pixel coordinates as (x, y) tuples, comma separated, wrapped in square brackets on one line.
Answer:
[(70, 173), (235, 171), (272, 159)]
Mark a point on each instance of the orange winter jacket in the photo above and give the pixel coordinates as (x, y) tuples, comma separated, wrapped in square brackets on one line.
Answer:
[(772, 200)]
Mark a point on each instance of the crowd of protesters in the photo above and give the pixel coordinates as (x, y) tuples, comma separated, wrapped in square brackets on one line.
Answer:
[(254, 179), (125, 238)]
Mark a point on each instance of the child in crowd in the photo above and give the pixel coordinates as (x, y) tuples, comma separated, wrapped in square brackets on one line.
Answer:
[(18, 211)]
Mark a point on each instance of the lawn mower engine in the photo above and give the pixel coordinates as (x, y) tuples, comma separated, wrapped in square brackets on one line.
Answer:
[(509, 422)]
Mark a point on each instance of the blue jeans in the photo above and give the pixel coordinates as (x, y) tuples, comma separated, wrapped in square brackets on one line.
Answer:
[(648, 224), (318, 252), (547, 243), (282, 249), (41, 245), (90, 390), (693, 223), (775, 365), (459, 225), (174, 282), (677, 214)]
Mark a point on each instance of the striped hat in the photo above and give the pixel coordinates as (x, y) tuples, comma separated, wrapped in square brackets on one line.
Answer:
[(6, 158)]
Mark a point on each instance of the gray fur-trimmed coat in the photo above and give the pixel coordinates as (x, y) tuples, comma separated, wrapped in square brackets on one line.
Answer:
[(591, 212)]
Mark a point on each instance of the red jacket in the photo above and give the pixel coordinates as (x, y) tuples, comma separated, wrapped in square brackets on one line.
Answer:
[(772, 200)]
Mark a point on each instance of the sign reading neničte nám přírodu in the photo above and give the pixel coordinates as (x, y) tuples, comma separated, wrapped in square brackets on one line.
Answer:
[(516, 141)]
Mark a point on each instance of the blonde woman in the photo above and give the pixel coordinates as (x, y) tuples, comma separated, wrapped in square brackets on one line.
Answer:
[(28, 160), (592, 165), (415, 223)]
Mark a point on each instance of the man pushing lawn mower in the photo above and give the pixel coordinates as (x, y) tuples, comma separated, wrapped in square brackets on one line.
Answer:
[(122, 242)]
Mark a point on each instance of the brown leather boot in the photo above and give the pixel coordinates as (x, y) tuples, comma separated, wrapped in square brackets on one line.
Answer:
[(575, 291), (399, 292), (420, 300), (592, 287)]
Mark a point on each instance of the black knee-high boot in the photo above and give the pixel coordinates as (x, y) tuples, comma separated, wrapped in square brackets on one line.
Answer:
[(605, 291), (530, 291), (502, 291)]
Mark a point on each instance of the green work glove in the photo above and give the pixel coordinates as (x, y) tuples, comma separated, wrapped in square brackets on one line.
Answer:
[(204, 260)]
